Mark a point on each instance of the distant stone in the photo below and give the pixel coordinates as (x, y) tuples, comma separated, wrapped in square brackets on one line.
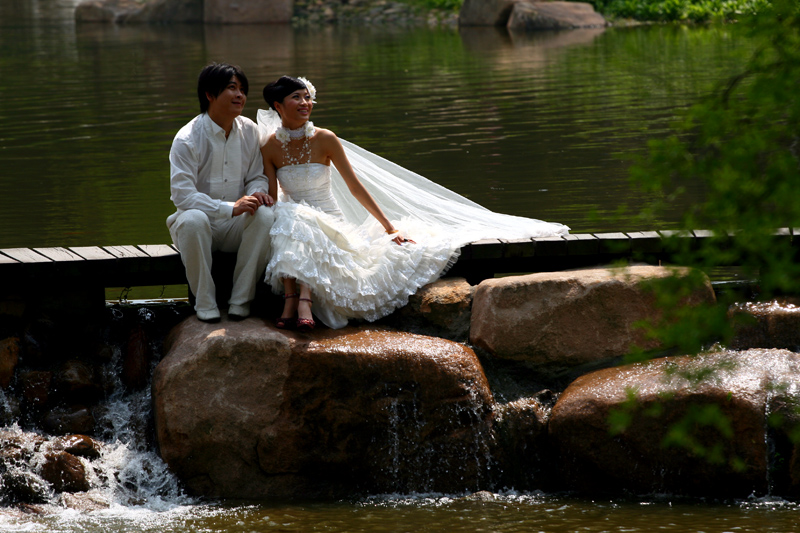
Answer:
[(244, 410), (65, 472), (485, 12), (717, 404), (556, 322), (532, 16), (138, 11), (247, 11), (9, 357)]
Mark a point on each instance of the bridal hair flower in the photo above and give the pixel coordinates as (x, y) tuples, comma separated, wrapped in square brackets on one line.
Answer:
[(311, 89)]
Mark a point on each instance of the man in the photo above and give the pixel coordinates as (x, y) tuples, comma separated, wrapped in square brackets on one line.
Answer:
[(218, 185)]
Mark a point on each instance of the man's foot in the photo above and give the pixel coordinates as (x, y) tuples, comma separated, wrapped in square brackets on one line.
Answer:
[(209, 315), (239, 312)]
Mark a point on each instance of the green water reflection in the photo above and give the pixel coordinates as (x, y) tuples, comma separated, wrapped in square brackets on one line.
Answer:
[(527, 124)]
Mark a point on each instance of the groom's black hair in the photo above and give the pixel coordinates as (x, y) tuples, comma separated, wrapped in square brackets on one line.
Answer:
[(280, 89), (214, 78)]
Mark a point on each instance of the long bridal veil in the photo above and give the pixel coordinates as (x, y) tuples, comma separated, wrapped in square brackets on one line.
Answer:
[(405, 195)]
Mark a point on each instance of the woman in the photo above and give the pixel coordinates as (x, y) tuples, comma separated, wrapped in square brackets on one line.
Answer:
[(331, 238)]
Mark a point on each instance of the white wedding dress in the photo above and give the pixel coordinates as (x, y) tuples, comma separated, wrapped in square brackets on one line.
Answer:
[(324, 238)]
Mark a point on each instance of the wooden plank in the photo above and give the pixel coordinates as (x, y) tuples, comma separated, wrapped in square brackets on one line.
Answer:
[(93, 253), (518, 248), (59, 254), (550, 246), (26, 255), (582, 244), (158, 250), (122, 252), (6, 260), (645, 242), (487, 249), (613, 243)]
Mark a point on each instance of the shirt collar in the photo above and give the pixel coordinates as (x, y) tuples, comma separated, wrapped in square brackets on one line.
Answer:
[(215, 129)]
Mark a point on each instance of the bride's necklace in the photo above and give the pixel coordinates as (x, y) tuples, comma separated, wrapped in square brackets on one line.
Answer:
[(301, 154)]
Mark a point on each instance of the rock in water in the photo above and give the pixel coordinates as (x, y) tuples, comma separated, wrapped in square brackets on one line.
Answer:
[(244, 410), (695, 426)]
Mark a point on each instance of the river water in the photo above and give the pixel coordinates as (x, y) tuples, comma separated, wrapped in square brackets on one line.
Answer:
[(539, 125)]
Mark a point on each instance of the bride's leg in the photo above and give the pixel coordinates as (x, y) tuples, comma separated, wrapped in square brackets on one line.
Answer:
[(304, 306), (289, 303)]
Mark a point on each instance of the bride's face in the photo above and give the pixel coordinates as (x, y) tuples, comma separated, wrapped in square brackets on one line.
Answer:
[(296, 107)]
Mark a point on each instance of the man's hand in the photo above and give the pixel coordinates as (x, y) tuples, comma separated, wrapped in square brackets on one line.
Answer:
[(264, 198), (246, 204)]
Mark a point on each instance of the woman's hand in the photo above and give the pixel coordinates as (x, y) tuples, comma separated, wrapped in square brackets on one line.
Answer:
[(264, 199), (398, 237)]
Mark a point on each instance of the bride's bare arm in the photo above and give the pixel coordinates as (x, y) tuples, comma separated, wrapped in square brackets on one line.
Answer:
[(269, 168), (333, 148)]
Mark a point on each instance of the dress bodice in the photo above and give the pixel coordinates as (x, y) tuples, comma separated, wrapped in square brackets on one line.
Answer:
[(309, 183)]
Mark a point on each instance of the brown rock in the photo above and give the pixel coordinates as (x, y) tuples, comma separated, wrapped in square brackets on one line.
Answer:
[(244, 410), (79, 445), (36, 387), (136, 360), (485, 12), (65, 472), (521, 427), (531, 16), (442, 309), (75, 381), (9, 357), (772, 324), (714, 456), (66, 420), (563, 320), (247, 11), (139, 11)]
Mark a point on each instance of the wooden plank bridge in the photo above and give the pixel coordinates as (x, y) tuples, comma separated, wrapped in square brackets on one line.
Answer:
[(86, 271)]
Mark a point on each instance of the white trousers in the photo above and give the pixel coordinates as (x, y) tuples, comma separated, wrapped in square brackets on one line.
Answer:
[(196, 236)]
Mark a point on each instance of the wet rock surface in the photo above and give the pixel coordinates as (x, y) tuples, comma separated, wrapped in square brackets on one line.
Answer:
[(712, 411), (245, 410), (556, 322)]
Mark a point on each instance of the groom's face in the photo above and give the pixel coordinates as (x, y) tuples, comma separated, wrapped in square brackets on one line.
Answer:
[(230, 102)]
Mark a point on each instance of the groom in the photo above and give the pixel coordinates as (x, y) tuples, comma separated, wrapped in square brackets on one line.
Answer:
[(218, 186)]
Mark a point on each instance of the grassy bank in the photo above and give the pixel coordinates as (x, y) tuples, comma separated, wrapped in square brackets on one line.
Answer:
[(645, 10)]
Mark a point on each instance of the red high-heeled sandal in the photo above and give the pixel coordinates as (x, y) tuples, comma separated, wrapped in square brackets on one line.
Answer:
[(287, 322), (306, 324)]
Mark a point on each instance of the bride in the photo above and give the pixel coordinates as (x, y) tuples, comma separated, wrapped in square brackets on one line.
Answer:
[(356, 240)]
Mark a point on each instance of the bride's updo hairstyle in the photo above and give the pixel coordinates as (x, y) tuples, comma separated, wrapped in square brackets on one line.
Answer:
[(281, 88)]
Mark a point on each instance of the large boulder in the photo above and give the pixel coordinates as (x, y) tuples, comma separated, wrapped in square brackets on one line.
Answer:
[(695, 426), (771, 324), (245, 410), (247, 11), (531, 16), (139, 11), (485, 12), (560, 321)]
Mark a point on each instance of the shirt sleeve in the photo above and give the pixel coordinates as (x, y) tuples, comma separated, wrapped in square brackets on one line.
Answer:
[(184, 167), (255, 180)]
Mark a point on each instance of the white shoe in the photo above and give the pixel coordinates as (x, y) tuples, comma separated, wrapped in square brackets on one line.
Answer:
[(239, 312), (208, 315)]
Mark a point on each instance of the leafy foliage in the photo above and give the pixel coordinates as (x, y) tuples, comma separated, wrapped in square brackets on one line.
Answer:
[(736, 155), (679, 10)]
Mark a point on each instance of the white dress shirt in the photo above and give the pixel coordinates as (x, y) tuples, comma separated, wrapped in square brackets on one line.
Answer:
[(210, 172)]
